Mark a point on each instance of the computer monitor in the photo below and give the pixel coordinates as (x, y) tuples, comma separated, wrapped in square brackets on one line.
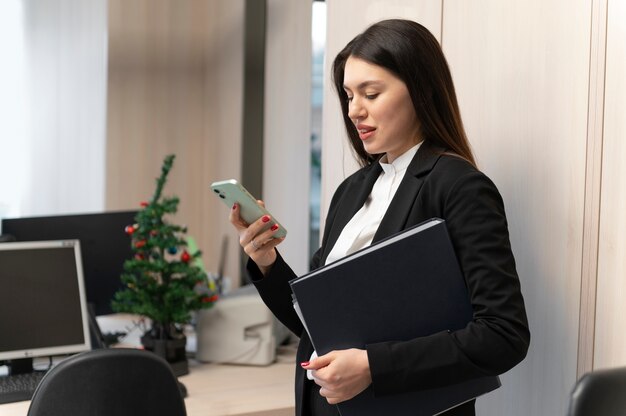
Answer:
[(43, 308), (104, 244)]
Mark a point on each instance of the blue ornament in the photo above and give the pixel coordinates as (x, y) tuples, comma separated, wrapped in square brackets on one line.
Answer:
[(172, 250)]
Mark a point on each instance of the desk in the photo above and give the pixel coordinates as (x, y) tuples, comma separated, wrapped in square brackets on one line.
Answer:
[(228, 390)]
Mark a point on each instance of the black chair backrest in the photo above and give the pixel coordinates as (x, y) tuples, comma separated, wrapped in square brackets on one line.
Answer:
[(120, 382), (600, 393)]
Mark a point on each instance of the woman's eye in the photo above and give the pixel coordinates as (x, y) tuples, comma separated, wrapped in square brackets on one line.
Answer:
[(349, 99), (371, 96)]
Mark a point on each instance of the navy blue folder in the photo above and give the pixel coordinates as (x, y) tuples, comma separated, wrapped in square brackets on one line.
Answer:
[(406, 286)]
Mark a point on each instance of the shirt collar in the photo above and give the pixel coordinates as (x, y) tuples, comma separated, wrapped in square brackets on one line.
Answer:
[(401, 162)]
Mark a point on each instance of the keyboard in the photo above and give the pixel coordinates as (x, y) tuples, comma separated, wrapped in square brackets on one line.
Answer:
[(19, 387)]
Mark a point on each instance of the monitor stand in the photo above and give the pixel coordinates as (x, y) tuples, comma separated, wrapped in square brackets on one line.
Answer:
[(97, 339), (20, 366)]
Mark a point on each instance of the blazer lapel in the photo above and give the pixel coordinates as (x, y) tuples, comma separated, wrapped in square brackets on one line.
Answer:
[(354, 198), (395, 218)]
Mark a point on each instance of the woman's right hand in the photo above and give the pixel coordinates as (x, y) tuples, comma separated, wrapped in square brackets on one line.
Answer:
[(258, 244)]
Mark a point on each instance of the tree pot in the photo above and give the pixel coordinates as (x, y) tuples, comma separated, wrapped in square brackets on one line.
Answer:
[(171, 349)]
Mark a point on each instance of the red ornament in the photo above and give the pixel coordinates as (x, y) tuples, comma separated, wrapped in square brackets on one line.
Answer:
[(139, 256), (144, 204), (185, 257), (153, 233), (129, 229), (140, 243), (209, 299)]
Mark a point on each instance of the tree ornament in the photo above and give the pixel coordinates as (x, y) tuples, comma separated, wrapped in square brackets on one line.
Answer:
[(154, 233), (185, 257), (209, 299), (129, 229), (140, 243), (144, 204), (172, 250)]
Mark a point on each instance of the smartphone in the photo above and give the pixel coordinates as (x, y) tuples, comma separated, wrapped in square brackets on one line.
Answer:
[(231, 191)]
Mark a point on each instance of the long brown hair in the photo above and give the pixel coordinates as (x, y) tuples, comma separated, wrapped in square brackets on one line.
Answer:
[(409, 51)]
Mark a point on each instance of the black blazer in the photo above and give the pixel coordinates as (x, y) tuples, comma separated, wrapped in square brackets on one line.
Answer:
[(435, 185)]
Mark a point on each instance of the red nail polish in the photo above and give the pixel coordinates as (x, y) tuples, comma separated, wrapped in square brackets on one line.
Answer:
[(304, 364), (234, 206), (274, 227), (265, 218)]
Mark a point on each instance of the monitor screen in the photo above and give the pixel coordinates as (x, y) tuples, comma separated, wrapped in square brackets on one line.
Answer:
[(105, 247), (43, 309)]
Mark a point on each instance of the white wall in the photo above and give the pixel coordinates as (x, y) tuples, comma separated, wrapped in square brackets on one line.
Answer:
[(14, 141), (65, 47), (287, 124)]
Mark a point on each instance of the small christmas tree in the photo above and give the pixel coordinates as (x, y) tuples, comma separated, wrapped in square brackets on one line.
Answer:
[(164, 282)]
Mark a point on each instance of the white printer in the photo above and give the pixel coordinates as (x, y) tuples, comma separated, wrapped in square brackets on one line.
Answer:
[(239, 329)]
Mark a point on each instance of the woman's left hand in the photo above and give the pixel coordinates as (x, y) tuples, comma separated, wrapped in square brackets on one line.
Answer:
[(341, 374)]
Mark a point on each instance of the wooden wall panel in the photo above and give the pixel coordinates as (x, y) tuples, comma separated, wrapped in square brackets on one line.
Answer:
[(521, 70), (610, 336), (175, 86), (593, 186)]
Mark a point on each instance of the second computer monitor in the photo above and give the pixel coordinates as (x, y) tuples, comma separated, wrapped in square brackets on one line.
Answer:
[(104, 243)]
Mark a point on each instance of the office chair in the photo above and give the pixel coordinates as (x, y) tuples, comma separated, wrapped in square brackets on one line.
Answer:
[(120, 382), (600, 393)]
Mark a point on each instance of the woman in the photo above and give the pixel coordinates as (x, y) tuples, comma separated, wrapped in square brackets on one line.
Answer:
[(404, 124)]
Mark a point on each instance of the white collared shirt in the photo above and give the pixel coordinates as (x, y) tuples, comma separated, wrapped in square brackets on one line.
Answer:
[(360, 230)]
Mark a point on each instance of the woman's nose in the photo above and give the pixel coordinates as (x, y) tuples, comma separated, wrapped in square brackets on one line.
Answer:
[(355, 109)]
